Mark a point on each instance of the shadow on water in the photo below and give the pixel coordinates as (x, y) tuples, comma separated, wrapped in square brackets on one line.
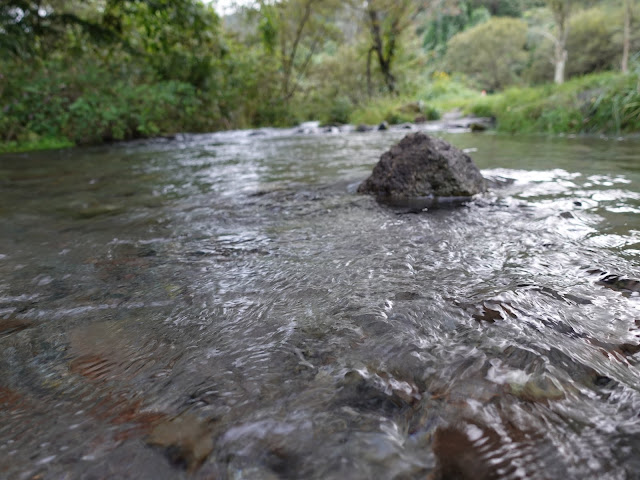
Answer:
[(225, 306)]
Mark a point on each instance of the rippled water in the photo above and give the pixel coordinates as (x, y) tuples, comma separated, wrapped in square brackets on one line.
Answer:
[(225, 306)]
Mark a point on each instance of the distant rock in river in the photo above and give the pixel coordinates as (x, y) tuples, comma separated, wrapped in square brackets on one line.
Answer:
[(421, 166)]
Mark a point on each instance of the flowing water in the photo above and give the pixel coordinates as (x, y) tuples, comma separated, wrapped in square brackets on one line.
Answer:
[(226, 306)]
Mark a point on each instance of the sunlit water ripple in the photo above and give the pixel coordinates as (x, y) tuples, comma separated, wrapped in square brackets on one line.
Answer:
[(226, 306)]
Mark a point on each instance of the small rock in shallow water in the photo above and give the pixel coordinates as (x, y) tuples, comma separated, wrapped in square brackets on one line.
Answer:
[(458, 455), (478, 127), (539, 390), (380, 392), (407, 296)]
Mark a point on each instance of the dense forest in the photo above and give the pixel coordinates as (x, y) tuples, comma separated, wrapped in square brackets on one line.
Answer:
[(92, 71)]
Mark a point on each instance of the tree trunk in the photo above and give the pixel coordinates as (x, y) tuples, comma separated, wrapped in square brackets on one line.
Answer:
[(561, 10), (369, 86), (560, 63), (289, 58), (384, 62), (627, 36), (561, 53), (389, 79)]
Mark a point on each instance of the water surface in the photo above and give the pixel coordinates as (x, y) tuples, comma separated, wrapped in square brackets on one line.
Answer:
[(226, 306)]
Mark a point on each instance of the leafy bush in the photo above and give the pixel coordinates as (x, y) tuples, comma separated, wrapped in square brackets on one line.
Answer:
[(396, 117), (444, 93), (592, 42), (339, 112), (491, 54), (89, 103), (377, 111), (129, 112), (394, 111), (431, 113), (482, 109)]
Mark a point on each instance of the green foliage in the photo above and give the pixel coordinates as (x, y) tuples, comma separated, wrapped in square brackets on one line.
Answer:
[(482, 109), (446, 24), (88, 104), (169, 70), (431, 113), (491, 54), (478, 16), (90, 71), (138, 111), (598, 103), (31, 28), (300, 30), (35, 143), (376, 111), (503, 8), (394, 110), (178, 38), (445, 93), (451, 17), (339, 112), (594, 44), (397, 117), (387, 21), (608, 103), (268, 30), (592, 41)]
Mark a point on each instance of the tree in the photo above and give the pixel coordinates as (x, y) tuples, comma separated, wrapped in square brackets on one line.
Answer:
[(561, 10), (179, 39), (29, 27), (386, 20), (293, 31)]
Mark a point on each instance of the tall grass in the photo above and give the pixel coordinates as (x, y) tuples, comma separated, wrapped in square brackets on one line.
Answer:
[(599, 103)]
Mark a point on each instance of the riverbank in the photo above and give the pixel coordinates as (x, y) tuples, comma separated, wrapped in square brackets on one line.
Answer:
[(605, 103)]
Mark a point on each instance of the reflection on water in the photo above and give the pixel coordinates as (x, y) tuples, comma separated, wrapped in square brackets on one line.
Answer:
[(225, 306)]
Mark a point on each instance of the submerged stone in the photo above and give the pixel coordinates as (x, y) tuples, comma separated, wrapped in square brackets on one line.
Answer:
[(187, 440), (421, 166), (539, 390), (13, 325)]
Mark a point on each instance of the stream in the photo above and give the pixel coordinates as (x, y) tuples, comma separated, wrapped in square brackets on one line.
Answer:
[(226, 306)]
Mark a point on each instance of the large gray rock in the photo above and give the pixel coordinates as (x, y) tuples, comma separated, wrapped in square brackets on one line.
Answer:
[(424, 166)]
